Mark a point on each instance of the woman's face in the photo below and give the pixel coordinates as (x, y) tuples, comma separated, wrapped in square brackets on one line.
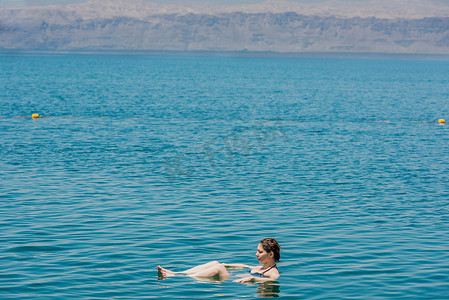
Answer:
[(262, 255)]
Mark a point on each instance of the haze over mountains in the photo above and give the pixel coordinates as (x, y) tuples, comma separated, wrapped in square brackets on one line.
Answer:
[(385, 26)]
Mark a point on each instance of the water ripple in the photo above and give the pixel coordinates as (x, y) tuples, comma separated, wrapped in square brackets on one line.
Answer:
[(165, 165)]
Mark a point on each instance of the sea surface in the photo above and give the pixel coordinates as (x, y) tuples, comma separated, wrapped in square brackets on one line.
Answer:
[(178, 160)]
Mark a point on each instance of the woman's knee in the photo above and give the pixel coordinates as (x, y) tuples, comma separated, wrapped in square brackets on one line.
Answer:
[(222, 271), (212, 270)]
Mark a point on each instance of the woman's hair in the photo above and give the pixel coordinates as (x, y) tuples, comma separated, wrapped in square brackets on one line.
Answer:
[(270, 245)]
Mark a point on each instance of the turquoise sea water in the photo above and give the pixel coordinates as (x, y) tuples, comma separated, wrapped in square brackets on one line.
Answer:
[(180, 160)]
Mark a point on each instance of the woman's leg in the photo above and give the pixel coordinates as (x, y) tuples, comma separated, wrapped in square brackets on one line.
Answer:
[(215, 271), (198, 269)]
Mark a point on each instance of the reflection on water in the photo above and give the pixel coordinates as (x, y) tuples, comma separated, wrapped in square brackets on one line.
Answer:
[(268, 289)]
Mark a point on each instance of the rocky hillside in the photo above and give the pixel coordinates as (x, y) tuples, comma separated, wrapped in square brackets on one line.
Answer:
[(273, 26)]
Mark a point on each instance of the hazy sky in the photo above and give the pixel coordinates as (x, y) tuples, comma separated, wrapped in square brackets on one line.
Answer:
[(13, 3)]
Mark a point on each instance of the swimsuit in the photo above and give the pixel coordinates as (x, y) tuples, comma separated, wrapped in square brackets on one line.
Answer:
[(262, 274)]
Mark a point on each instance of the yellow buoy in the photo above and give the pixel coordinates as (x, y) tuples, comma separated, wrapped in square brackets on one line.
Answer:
[(441, 121), (35, 116)]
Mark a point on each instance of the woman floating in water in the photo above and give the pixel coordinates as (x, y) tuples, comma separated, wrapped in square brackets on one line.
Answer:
[(268, 254)]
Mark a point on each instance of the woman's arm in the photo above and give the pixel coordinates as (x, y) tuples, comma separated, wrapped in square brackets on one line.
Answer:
[(237, 266), (253, 279)]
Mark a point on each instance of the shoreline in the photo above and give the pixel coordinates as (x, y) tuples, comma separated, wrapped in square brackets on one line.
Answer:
[(338, 55)]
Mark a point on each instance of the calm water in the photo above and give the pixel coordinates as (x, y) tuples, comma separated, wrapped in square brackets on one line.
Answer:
[(177, 161)]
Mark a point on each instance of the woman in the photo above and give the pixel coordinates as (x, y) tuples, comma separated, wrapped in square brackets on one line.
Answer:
[(268, 254)]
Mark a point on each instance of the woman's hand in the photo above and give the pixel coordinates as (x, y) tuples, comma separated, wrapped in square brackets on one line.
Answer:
[(245, 279), (253, 279)]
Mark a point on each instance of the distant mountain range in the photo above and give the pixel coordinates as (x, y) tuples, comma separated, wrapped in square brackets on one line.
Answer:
[(394, 26)]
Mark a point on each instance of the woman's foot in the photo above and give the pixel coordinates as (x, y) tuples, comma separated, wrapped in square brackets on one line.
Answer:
[(161, 272)]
